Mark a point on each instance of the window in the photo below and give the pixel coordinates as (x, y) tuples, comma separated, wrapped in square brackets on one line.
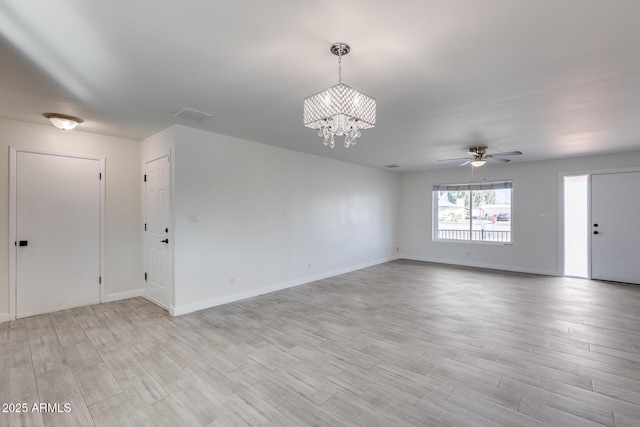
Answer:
[(473, 212), (576, 226)]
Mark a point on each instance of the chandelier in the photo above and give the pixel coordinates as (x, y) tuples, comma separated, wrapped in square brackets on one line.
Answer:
[(339, 110)]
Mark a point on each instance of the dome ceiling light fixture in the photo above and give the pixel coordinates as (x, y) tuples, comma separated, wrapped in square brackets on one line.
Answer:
[(340, 109), (63, 121)]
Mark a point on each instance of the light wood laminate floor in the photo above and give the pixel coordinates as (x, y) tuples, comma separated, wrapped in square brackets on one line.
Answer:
[(403, 343)]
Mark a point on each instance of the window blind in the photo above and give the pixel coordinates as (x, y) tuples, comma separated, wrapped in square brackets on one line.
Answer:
[(475, 186)]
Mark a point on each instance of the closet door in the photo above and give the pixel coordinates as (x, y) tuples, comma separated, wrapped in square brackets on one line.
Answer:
[(58, 232), (157, 217)]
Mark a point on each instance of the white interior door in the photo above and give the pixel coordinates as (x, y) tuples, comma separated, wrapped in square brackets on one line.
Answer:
[(615, 229), (57, 232), (157, 217)]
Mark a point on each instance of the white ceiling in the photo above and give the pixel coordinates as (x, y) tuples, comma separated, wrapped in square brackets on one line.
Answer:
[(549, 78)]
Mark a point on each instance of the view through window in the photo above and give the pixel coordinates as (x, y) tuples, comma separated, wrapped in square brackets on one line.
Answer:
[(473, 212)]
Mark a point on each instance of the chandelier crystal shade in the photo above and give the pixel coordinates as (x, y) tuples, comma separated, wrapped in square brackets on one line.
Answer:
[(339, 110)]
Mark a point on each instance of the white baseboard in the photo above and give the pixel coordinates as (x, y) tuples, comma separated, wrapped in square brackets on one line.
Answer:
[(54, 310), (201, 305), (123, 295), (480, 265), (5, 317)]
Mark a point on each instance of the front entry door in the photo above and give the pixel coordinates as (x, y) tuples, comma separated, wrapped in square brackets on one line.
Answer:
[(615, 229), (58, 232), (157, 216)]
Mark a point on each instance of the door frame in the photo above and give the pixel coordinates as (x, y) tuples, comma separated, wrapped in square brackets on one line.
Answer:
[(13, 205), (589, 173), (168, 155)]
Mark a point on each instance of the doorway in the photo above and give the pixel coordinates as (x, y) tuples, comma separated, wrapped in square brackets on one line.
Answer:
[(56, 231), (157, 180)]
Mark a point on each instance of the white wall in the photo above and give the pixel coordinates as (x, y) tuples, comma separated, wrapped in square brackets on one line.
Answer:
[(270, 218), (535, 246), (158, 145), (123, 269)]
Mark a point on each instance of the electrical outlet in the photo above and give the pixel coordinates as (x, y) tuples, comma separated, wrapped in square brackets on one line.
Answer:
[(397, 248), (309, 266), (193, 218), (232, 281)]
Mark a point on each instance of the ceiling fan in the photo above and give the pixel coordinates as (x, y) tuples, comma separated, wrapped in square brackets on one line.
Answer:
[(480, 157)]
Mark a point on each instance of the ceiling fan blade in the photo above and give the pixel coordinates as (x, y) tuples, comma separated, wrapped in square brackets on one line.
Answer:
[(465, 163), (496, 159), (449, 160), (507, 153)]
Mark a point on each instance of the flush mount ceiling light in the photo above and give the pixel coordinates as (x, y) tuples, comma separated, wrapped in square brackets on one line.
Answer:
[(339, 110), (63, 121)]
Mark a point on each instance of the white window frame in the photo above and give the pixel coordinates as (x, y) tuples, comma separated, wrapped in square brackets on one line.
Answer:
[(473, 186)]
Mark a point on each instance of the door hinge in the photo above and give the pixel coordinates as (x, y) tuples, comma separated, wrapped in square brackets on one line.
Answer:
[(145, 226), (100, 176), (99, 279), (145, 177), (145, 277)]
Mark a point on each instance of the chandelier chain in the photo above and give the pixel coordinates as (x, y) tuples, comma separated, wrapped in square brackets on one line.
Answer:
[(340, 67)]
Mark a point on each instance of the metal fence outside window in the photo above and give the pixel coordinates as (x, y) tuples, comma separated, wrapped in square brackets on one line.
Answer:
[(479, 235)]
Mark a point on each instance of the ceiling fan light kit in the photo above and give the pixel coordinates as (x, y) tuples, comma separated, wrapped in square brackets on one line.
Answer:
[(340, 109)]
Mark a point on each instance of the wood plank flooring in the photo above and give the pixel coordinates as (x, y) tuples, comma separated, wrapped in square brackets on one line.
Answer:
[(399, 344)]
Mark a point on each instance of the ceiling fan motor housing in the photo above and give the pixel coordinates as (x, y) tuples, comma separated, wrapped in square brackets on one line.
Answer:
[(478, 151)]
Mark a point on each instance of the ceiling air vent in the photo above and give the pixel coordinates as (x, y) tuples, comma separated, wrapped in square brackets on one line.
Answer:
[(392, 166), (191, 114)]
